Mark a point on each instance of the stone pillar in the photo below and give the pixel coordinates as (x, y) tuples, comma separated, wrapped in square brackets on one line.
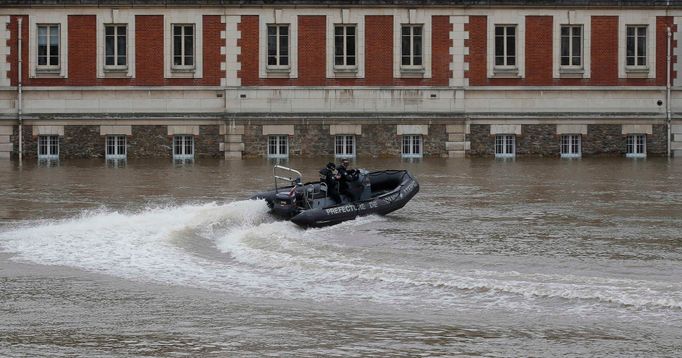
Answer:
[(676, 141), (457, 145), (233, 144), (6, 145)]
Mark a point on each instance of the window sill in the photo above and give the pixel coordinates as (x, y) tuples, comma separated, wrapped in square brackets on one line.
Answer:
[(278, 72), (569, 72), (115, 69), (637, 72), (506, 72), (412, 72), (346, 71), (48, 72)]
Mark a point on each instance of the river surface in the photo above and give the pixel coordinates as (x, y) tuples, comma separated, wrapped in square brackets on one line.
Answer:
[(532, 257)]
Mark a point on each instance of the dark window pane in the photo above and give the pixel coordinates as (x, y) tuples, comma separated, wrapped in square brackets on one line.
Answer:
[(189, 61), (499, 46), (417, 61), (630, 46), (272, 31), (189, 46), (109, 31), (284, 61), (177, 46), (417, 42), (350, 46), (406, 61), (511, 31), (338, 60), (564, 47), (177, 31), (350, 30), (631, 31), (417, 31), (405, 45), (405, 31), (338, 31), (109, 46), (121, 31), (122, 45), (338, 46), (284, 31), (283, 46), (189, 30), (499, 31), (511, 61), (350, 61), (177, 60), (272, 46), (272, 61)]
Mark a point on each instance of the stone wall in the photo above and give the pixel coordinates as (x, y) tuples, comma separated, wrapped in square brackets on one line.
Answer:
[(30, 148), (81, 142), (603, 139), (657, 144), (207, 144), (150, 142), (538, 140), (482, 143)]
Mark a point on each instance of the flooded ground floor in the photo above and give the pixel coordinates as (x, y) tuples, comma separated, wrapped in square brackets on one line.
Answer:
[(355, 138), (525, 257)]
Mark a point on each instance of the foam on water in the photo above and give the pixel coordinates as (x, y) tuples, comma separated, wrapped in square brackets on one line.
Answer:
[(278, 259)]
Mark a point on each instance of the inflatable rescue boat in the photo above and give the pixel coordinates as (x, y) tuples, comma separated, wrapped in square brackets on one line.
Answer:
[(309, 204)]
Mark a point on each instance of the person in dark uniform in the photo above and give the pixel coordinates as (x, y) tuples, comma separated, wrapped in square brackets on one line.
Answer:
[(330, 176), (347, 175)]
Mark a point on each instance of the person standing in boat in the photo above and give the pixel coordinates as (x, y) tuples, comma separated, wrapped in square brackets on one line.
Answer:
[(330, 176), (347, 176)]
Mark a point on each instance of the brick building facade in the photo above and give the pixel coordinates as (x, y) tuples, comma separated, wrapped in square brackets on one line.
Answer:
[(245, 79)]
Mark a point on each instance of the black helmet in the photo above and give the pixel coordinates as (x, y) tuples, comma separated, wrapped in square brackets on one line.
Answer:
[(331, 165)]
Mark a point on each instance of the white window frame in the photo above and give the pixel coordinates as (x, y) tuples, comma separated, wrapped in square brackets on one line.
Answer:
[(183, 55), (411, 53), (278, 141), (116, 65), (636, 145), (278, 54), (181, 140), (505, 50), (346, 144), (120, 150), (505, 146), (570, 145), (345, 54), (636, 40), (412, 146), (571, 47), (48, 147), (48, 67)]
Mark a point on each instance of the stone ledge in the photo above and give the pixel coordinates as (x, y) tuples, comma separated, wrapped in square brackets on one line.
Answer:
[(571, 129), (4, 155), (677, 137), (278, 129), (676, 145), (456, 137), (505, 129), (455, 128), (48, 130), (676, 128), (116, 130), (409, 129), (355, 129), (637, 129), (6, 147), (193, 130), (8, 130), (233, 138), (4, 139)]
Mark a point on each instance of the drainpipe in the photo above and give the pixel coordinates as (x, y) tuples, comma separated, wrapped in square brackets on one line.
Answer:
[(19, 94), (668, 109)]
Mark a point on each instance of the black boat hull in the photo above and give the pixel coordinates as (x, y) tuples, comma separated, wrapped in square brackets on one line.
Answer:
[(391, 190)]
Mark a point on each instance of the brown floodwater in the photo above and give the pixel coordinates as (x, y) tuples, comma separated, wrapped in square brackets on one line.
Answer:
[(530, 257)]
